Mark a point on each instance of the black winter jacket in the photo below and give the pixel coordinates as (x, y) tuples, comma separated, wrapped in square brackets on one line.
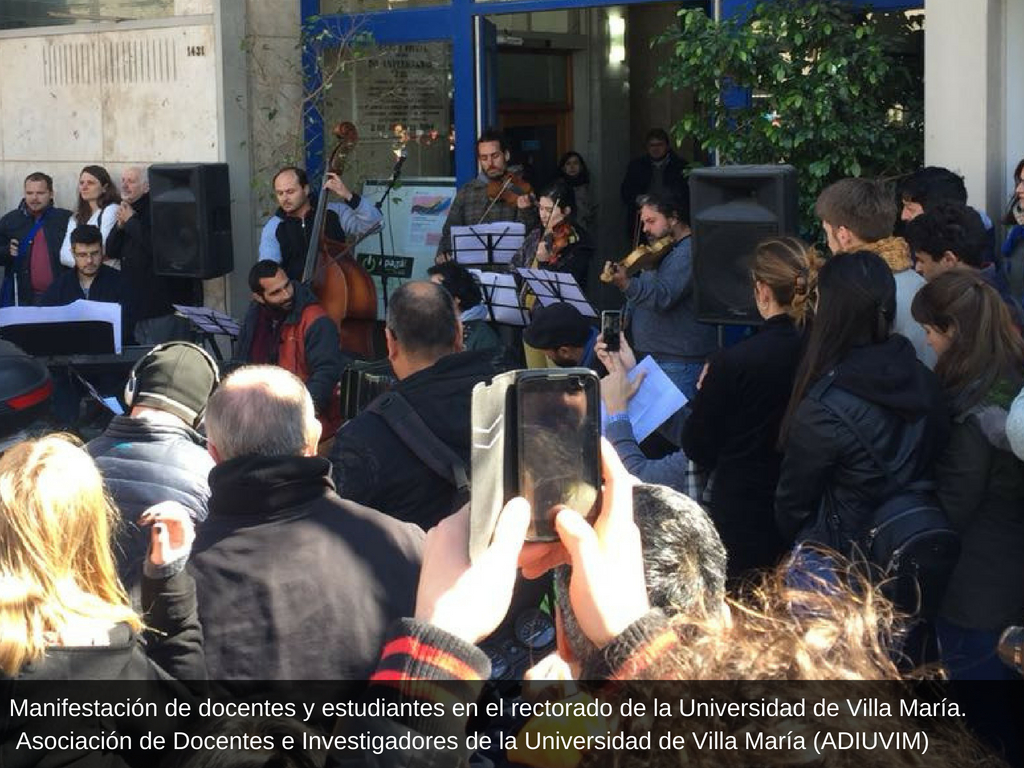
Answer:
[(16, 225), (144, 462), (980, 484), (637, 181), (146, 666), (132, 244), (373, 466), (733, 429), (294, 583), (898, 406)]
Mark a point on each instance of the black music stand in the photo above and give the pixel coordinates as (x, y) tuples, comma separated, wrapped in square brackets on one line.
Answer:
[(501, 297), (209, 323), (492, 245), (554, 287)]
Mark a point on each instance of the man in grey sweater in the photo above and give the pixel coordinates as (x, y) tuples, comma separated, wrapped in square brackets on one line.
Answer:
[(660, 302)]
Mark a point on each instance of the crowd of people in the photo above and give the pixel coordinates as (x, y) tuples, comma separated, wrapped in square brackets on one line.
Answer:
[(226, 528)]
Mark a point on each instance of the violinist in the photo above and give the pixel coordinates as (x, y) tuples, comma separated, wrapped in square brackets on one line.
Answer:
[(495, 194), (285, 236), (561, 244), (660, 302)]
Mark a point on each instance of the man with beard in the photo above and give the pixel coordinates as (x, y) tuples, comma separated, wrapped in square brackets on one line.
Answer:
[(286, 235), (30, 240), (285, 326), (473, 206)]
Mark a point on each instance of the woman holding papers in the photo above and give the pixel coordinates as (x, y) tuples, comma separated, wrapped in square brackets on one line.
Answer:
[(732, 429)]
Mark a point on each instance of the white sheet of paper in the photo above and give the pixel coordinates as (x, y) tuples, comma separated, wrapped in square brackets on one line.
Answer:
[(499, 289), (469, 243), (555, 287), (81, 310), (656, 400)]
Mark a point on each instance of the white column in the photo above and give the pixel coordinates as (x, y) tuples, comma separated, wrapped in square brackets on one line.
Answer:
[(967, 93)]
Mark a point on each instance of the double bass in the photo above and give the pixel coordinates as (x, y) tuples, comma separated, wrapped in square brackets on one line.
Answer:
[(344, 287)]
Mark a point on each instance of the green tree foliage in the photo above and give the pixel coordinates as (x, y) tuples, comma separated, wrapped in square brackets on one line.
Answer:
[(831, 94)]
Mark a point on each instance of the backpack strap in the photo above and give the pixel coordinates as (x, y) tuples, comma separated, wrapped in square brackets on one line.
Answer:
[(418, 438), (819, 391)]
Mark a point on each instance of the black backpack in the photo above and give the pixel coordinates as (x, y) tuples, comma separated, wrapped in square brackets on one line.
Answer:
[(908, 542)]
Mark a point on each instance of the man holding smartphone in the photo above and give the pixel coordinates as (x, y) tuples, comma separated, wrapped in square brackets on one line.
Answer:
[(660, 302), (564, 335)]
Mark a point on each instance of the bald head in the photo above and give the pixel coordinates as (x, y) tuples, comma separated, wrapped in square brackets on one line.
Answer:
[(261, 410), (422, 324), (134, 183)]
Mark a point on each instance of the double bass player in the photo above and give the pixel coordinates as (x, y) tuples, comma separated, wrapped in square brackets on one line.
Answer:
[(286, 235)]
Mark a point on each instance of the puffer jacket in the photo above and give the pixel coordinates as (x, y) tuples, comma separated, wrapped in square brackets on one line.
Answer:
[(829, 481), (144, 462)]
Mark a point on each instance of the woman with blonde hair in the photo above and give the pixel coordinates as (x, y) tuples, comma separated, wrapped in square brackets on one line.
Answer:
[(732, 429), (63, 612)]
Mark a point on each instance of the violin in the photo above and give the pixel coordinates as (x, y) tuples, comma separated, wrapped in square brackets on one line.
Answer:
[(558, 238), (508, 189), (643, 257)]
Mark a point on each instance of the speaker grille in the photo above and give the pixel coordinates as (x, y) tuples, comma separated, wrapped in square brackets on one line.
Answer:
[(191, 220), (733, 209)]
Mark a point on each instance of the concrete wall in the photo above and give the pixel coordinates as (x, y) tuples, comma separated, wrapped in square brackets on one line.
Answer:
[(134, 93), (112, 98), (974, 105)]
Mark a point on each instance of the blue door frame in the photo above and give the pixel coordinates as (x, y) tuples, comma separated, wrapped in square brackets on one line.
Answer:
[(452, 23)]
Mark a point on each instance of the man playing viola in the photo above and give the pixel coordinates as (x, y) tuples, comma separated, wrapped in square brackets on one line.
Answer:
[(473, 205), (660, 302), (285, 237)]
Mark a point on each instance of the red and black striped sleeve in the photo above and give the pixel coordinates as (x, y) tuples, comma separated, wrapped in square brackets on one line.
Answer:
[(422, 663), (635, 653)]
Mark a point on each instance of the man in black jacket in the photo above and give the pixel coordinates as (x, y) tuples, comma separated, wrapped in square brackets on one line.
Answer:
[(93, 280), (372, 464), (294, 583), (154, 453), (658, 171), (130, 243), (30, 239)]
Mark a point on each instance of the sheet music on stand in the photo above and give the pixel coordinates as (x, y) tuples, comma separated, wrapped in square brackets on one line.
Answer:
[(501, 297), (491, 244), (81, 327), (554, 287)]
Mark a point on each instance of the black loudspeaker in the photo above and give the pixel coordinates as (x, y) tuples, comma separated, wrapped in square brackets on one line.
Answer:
[(732, 208), (191, 215)]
